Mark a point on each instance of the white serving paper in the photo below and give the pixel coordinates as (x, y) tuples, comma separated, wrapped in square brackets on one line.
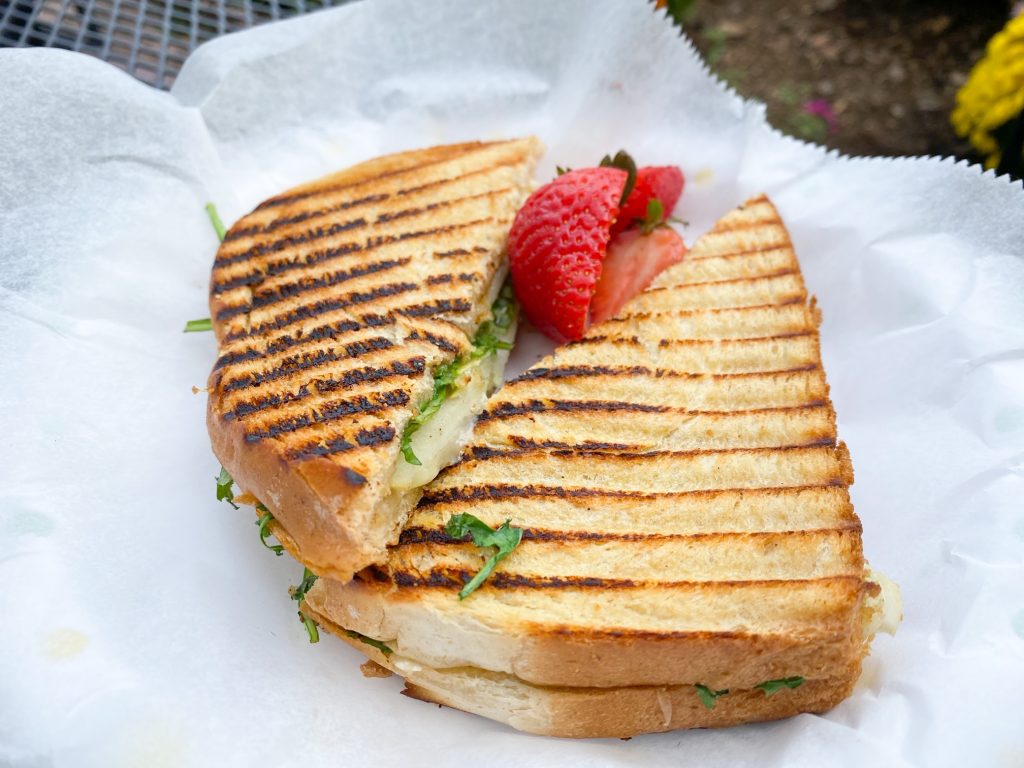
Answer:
[(142, 624)]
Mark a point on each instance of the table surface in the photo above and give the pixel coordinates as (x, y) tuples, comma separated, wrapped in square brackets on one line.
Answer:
[(150, 39)]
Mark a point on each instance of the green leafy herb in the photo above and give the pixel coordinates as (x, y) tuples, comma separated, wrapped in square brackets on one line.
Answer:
[(196, 326), (298, 594), (370, 641), (624, 161), (224, 490), (444, 385), (485, 342), (265, 520), (218, 225), (308, 580), (708, 696), (311, 628), (505, 538), (771, 687)]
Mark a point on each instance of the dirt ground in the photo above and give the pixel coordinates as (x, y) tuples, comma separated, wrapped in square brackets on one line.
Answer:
[(888, 69)]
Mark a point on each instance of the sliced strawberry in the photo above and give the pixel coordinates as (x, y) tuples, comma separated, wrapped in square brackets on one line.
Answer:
[(556, 246), (664, 183), (633, 260)]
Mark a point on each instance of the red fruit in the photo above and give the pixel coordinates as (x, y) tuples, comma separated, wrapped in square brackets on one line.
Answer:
[(633, 260), (662, 182), (556, 246)]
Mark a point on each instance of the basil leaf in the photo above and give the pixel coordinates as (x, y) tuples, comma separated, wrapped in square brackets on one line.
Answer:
[(623, 161), (771, 687), (224, 488), (197, 326), (505, 538), (370, 641), (708, 696), (218, 225)]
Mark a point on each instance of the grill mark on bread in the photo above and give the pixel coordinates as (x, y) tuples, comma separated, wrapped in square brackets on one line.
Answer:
[(310, 311), (418, 535), (274, 224), (290, 241), (374, 403), (453, 179), (284, 291), (412, 367), (772, 275), (368, 437), (584, 371), (504, 410), (285, 342), (436, 307), (405, 213), (502, 580), (307, 361), (527, 446), (316, 257), (782, 244), (464, 150), (496, 491), (526, 407)]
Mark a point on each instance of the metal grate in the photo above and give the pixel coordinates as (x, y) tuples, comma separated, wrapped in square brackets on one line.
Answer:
[(147, 38)]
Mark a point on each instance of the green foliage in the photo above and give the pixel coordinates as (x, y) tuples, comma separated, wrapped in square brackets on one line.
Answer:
[(505, 538)]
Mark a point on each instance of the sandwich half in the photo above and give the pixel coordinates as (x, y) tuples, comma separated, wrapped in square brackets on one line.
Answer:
[(336, 306), (689, 556)]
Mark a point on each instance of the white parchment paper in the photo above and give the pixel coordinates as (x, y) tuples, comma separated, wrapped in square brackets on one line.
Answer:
[(142, 624)]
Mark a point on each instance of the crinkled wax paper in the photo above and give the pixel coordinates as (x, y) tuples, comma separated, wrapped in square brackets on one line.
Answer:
[(142, 624)]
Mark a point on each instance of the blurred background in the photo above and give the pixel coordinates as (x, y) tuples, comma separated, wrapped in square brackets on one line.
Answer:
[(867, 77)]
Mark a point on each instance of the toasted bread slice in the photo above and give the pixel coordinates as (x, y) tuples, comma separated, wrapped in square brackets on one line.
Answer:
[(686, 514), (599, 712), (333, 304)]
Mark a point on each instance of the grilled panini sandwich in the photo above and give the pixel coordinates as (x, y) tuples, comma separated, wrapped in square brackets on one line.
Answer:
[(689, 555), (334, 305)]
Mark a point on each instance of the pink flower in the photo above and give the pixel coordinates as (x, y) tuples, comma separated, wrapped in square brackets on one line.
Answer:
[(821, 108)]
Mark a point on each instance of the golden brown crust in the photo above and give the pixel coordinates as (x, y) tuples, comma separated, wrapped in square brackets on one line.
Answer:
[(619, 712), (427, 624), (332, 303)]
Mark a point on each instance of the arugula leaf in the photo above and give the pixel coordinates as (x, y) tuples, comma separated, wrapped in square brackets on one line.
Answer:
[(196, 326), (771, 687), (504, 308), (485, 342), (265, 519), (708, 696), (311, 628), (370, 641), (624, 161), (224, 491), (297, 594), (444, 385), (218, 225), (308, 580), (505, 538)]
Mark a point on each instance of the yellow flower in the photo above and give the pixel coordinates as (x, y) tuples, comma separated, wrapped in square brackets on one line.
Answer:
[(994, 91)]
